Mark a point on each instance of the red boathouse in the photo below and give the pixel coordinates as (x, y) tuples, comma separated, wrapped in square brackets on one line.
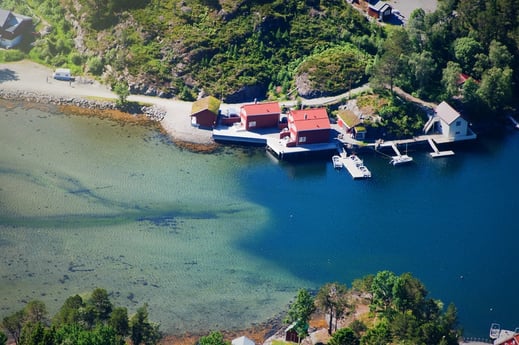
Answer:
[(309, 126), (260, 115)]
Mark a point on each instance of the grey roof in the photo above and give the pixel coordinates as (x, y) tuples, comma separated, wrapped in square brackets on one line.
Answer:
[(447, 113), (243, 340), (4, 16), (379, 6)]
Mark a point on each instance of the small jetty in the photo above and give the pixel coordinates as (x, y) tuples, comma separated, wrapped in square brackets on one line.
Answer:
[(399, 158), (437, 153), (355, 166)]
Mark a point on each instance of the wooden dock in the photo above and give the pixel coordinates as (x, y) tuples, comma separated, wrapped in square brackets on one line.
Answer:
[(281, 150), (437, 153), (355, 166), (270, 138), (431, 139)]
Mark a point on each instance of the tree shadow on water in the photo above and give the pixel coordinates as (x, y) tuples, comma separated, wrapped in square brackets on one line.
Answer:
[(7, 74)]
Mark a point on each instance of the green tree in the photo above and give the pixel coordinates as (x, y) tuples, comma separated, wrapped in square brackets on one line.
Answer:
[(119, 321), (13, 324), (35, 311), (465, 51), (382, 290), (300, 312), (3, 338), (481, 65), (471, 98), (358, 327), (302, 308), (423, 68), (404, 327), (344, 336), (95, 65), (214, 338), (36, 334), (450, 77), (332, 299), (499, 55), (70, 311), (391, 63), (100, 304), (495, 89), (380, 334), (416, 29), (142, 331), (122, 91), (409, 294), (363, 284)]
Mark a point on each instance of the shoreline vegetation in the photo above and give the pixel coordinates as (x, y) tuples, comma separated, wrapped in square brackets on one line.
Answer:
[(378, 309)]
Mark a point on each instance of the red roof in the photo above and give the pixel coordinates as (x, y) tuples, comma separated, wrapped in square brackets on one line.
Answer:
[(462, 78), (261, 108), (310, 119)]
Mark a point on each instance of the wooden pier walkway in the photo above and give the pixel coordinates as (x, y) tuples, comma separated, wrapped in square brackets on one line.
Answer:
[(437, 153)]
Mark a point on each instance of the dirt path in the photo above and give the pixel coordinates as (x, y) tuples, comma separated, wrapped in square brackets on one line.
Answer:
[(413, 99), (27, 76)]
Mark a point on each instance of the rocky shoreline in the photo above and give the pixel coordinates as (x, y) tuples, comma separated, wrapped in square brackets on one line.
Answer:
[(153, 112)]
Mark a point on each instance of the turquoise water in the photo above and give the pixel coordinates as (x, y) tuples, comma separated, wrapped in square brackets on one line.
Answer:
[(224, 240)]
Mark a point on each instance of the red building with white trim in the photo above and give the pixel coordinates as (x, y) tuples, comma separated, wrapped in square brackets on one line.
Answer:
[(309, 126), (260, 115)]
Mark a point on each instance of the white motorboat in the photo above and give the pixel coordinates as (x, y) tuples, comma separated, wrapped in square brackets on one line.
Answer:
[(402, 159), (337, 162), (495, 330)]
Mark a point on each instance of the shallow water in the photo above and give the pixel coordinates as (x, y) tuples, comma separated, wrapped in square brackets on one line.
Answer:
[(219, 241)]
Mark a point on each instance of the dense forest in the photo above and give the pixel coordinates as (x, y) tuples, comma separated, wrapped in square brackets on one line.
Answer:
[(87, 320), (398, 311), (244, 49)]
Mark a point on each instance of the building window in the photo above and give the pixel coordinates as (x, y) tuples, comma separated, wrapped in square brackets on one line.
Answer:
[(252, 124), (302, 139), (458, 123)]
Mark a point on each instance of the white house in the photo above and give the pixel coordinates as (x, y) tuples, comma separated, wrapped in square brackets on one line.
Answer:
[(243, 340), (449, 123)]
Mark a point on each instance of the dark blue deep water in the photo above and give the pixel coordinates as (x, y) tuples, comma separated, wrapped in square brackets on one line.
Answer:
[(451, 222)]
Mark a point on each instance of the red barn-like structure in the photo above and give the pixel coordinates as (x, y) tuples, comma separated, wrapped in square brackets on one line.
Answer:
[(204, 112), (309, 126), (260, 115)]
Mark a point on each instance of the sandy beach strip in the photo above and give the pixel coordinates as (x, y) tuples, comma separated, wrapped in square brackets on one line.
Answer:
[(27, 77)]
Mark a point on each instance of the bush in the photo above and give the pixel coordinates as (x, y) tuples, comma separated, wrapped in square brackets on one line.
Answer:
[(95, 65), (335, 70), (76, 59), (11, 55)]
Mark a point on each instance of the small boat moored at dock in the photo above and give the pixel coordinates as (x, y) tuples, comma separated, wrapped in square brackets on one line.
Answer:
[(337, 163), (495, 330), (401, 159)]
